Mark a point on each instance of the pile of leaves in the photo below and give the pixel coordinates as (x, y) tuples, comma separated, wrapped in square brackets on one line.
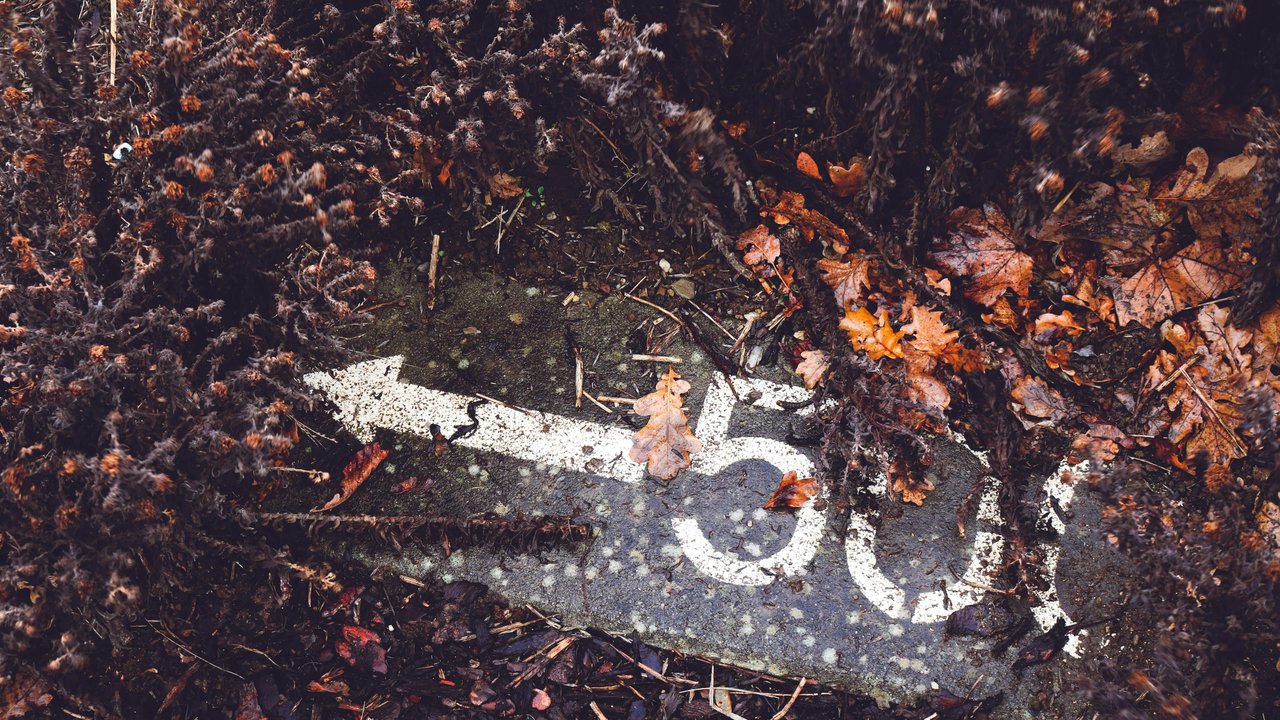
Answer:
[(189, 187)]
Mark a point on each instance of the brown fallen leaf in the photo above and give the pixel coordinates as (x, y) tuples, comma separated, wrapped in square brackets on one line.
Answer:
[(929, 334), (789, 207), (1226, 203), (759, 246), (813, 367), (355, 473), (806, 165), (410, 484), (873, 335), (505, 185), (792, 492), (1160, 284), (979, 250), (666, 442), (847, 279), (337, 687), (1036, 403)]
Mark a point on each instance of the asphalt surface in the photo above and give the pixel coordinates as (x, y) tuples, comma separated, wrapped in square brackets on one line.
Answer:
[(857, 601)]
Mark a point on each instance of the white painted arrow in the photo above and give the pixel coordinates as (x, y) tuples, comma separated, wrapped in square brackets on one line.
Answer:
[(369, 395)]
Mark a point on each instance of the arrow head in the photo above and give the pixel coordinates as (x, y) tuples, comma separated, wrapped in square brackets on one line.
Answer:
[(352, 388)]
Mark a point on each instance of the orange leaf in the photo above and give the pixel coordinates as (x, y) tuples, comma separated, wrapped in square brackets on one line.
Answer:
[(790, 208), (666, 442), (806, 165), (355, 473), (847, 279), (792, 492), (813, 367), (761, 247), (505, 185), (848, 181), (912, 490), (979, 249), (871, 334), (931, 336)]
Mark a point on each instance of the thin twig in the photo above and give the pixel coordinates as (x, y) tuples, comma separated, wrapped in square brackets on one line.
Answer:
[(598, 404), (791, 701), (617, 400), (1213, 411), (186, 649), (658, 358), (431, 271), (112, 39), (659, 308)]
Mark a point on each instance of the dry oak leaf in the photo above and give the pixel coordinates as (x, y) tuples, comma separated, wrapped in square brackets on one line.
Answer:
[(1163, 284), (930, 335), (666, 442), (792, 492), (979, 249), (1225, 204), (813, 367), (1112, 216), (1036, 403), (923, 388), (355, 473), (1205, 397), (790, 208), (847, 279), (759, 245), (806, 165), (871, 334)]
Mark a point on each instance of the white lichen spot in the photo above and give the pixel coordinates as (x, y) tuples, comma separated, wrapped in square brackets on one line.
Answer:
[(829, 656), (391, 469), (771, 629), (607, 552), (473, 470), (525, 471), (759, 515), (896, 630), (808, 641), (570, 570), (642, 571), (446, 578), (615, 567), (918, 666), (532, 291), (463, 364), (903, 663), (637, 507), (456, 559), (591, 573), (853, 617), (796, 613), (753, 549), (737, 515), (495, 573), (548, 581)]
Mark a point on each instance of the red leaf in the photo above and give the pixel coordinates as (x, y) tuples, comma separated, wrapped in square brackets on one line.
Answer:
[(355, 473), (361, 648)]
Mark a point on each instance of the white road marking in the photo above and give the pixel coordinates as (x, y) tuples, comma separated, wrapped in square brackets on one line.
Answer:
[(370, 395), (718, 453)]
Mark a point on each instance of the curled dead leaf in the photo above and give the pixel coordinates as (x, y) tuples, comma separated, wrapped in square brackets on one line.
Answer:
[(848, 181), (355, 473), (792, 492), (806, 165)]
